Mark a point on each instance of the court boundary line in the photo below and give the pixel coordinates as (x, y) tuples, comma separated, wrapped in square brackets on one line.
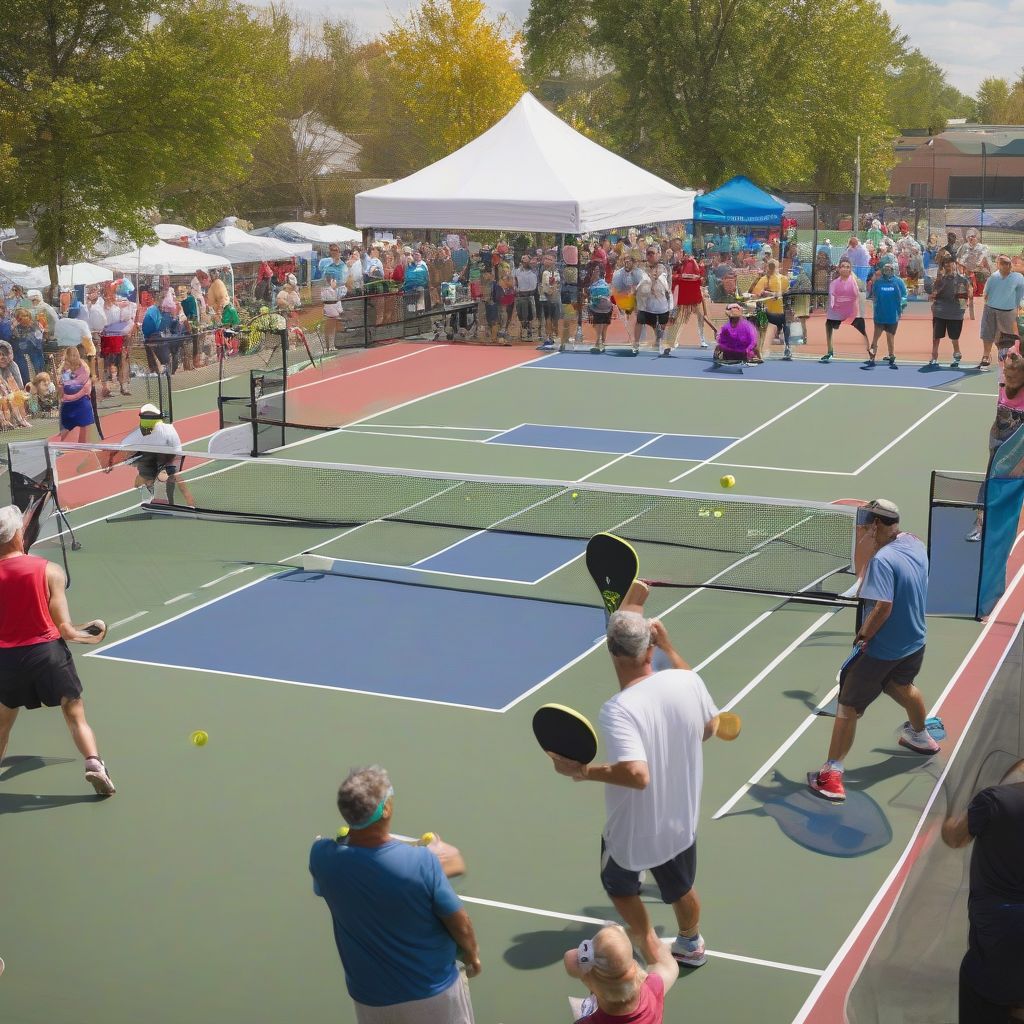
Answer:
[(912, 851), (711, 378), (415, 567)]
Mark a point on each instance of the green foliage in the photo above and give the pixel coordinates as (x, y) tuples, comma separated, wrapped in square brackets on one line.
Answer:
[(115, 107), (920, 96), (1000, 101)]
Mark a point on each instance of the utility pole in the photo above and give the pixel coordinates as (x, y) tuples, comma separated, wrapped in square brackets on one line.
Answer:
[(856, 191)]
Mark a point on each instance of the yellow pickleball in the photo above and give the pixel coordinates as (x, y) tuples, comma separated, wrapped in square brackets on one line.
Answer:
[(426, 839), (343, 832), (199, 738), (728, 481), (718, 513), (575, 495)]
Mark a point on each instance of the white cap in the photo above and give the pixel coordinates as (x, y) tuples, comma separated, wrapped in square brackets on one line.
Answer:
[(150, 412)]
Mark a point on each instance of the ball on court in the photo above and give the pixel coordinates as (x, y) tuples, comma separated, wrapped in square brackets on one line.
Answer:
[(427, 838), (728, 480), (200, 738), (718, 513)]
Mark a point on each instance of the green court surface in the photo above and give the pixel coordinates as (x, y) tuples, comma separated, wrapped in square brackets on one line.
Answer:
[(187, 897)]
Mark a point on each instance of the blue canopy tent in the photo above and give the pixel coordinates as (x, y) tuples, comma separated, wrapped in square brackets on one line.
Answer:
[(738, 201)]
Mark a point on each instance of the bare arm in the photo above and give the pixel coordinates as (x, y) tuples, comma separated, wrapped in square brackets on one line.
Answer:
[(665, 966), (954, 831), (630, 774), (460, 928), (61, 615), (874, 622)]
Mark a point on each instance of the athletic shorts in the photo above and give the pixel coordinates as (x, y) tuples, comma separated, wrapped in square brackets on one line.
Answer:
[(941, 327), (651, 319), (601, 318), (37, 675), (888, 328), (111, 345), (76, 414), (776, 319), (866, 677), (551, 309), (452, 1006), (857, 322), (997, 321), (675, 878), (149, 465)]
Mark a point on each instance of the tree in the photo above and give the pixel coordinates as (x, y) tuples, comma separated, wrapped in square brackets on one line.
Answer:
[(920, 96), (113, 108), (452, 72), (993, 100), (711, 88)]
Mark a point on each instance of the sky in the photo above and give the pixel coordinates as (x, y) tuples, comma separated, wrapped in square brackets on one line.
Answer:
[(969, 39)]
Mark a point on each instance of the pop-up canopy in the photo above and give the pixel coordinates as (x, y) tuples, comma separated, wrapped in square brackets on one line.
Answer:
[(738, 201), (532, 172)]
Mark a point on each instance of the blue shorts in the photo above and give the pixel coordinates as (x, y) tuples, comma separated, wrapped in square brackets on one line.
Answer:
[(675, 878), (76, 414)]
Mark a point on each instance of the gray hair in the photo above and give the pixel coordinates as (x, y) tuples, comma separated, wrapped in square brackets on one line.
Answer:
[(361, 792), (629, 635), (11, 521)]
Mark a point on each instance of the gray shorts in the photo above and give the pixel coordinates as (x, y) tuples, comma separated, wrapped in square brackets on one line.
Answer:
[(866, 677), (995, 322), (452, 1006)]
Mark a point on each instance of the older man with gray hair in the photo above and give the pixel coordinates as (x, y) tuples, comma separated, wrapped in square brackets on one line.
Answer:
[(36, 667), (653, 729), (398, 924)]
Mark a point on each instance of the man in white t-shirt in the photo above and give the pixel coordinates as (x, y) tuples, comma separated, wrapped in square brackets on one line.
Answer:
[(653, 729), (653, 301), (153, 466)]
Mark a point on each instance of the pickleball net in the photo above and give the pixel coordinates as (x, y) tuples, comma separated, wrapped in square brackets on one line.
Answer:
[(684, 538)]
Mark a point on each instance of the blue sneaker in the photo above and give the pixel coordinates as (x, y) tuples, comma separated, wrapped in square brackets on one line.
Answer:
[(546, 346)]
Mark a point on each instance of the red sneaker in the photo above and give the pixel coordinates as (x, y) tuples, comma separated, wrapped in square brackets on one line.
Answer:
[(827, 783)]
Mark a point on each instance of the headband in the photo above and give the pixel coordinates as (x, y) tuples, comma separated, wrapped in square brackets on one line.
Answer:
[(377, 814)]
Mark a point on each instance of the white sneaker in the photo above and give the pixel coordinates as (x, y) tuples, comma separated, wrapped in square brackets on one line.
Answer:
[(703, 343), (96, 774), (918, 742), (688, 954), (974, 534)]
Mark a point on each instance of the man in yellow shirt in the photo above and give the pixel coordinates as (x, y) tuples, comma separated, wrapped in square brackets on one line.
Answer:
[(770, 287)]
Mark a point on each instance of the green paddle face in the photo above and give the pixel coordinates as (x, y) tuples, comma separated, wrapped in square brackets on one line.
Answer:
[(613, 565)]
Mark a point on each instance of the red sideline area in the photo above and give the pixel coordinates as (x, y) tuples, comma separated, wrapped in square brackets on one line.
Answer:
[(353, 388), (827, 1002)]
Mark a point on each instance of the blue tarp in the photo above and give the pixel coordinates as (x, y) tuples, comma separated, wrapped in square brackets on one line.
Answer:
[(738, 201)]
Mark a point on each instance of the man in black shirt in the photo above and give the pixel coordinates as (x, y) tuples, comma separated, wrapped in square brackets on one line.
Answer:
[(992, 971)]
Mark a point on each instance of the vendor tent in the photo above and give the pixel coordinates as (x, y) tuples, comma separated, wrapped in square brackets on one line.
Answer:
[(530, 171), (67, 276), (239, 246), (164, 259), (173, 232), (738, 201), (316, 234)]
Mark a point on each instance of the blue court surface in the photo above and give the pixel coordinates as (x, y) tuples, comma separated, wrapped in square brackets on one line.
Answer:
[(954, 563), (694, 447), (374, 636), (698, 363), (500, 556)]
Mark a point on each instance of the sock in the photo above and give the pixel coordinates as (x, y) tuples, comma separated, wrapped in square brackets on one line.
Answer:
[(836, 766), (93, 757), (690, 941)]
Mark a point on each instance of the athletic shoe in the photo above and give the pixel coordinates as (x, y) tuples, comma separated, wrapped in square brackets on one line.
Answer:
[(561, 347), (891, 360), (96, 774), (869, 362), (597, 350), (984, 366), (636, 350), (918, 742), (974, 534), (955, 365), (827, 358), (827, 783), (703, 343), (546, 346), (666, 352), (787, 354), (689, 954), (935, 362)]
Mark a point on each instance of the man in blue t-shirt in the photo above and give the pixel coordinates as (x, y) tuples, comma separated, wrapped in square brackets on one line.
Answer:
[(889, 298), (889, 646), (398, 924)]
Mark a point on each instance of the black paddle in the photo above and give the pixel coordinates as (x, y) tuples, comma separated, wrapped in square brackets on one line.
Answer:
[(614, 566), (560, 730)]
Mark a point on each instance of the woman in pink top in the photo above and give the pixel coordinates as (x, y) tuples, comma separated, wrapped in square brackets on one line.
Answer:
[(75, 397), (843, 304)]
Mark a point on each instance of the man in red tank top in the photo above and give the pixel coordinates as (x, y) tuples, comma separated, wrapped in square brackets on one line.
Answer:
[(36, 667)]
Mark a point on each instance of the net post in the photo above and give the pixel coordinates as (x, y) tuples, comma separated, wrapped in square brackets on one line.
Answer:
[(284, 384)]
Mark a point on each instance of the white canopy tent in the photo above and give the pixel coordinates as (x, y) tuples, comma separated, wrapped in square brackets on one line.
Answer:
[(164, 259), (532, 172), (237, 246), (317, 234), (173, 232), (67, 276)]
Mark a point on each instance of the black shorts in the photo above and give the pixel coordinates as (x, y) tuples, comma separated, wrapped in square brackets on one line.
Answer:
[(776, 319), (149, 465), (36, 675), (942, 327), (601, 318), (857, 322), (866, 677), (652, 319), (888, 328), (675, 878)]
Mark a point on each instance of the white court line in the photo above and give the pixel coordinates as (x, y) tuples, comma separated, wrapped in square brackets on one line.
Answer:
[(131, 618), (896, 440), (180, 597), (600, 922), (430, 572), (776, 756), (438, 426), (227, 576), (624, 455), (739, 440)]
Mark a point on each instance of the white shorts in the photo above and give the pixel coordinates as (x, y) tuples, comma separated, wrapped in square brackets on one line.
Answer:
[(452, 1006)]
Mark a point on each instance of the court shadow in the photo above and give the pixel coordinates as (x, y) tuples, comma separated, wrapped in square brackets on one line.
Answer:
[(24, 763), (849, 829), (14, 803)]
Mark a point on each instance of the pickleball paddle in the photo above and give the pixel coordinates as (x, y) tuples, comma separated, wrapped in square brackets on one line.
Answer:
[(729, 726), (565, 732), (614, 566)]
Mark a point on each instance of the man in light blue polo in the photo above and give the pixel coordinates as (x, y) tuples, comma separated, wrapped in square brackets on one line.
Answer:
[(889, 298), (1004, 293), (890, 644), (333, 264)]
